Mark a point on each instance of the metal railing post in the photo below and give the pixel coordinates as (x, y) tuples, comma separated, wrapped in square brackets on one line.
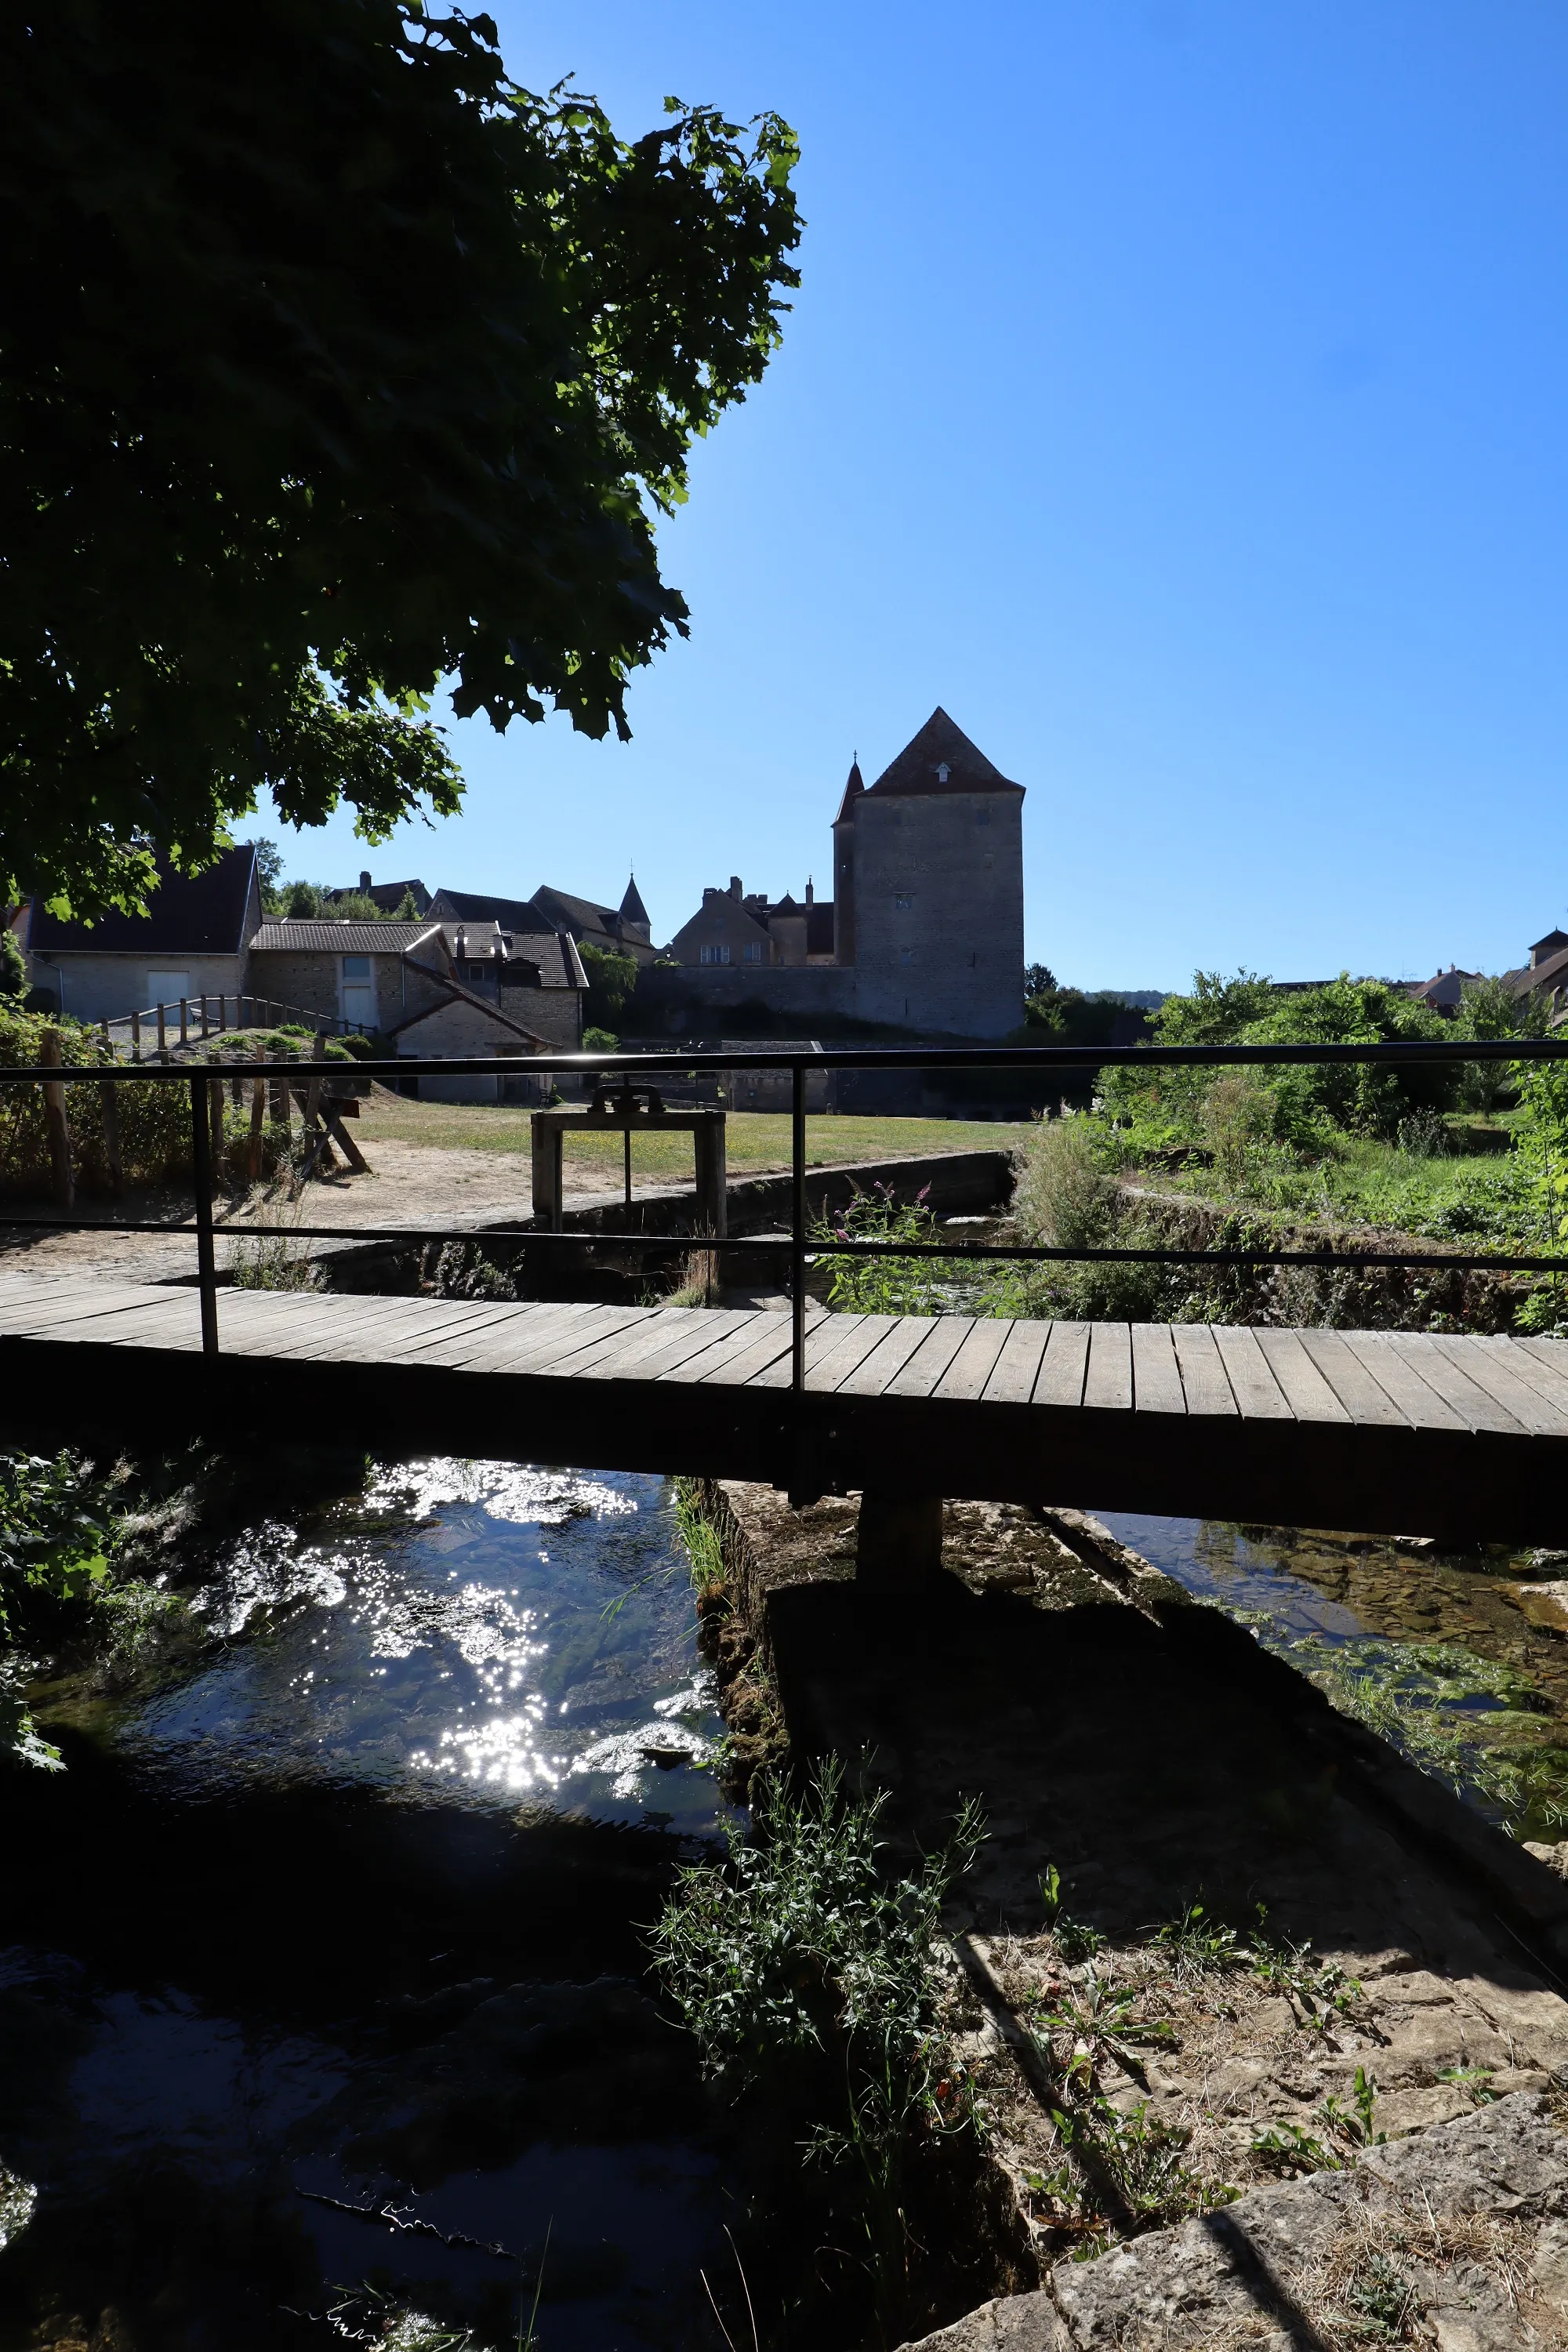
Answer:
[(206, 1263), (797, 1228)]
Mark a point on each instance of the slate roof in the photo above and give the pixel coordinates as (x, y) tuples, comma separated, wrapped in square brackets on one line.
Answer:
[(1551, 972), (553, 953), (854, 785), (389, 895), (317, 935), (939, 744), (632, 907), (586, 911), (202, 914), (480, 906)]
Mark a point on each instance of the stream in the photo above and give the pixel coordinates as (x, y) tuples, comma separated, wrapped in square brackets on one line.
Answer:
[(324, 2016), (322, 2008)]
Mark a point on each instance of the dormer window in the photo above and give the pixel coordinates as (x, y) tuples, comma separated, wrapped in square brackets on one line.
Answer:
[(943, 771)]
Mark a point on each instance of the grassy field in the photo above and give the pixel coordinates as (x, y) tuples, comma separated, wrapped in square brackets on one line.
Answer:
[(752, 1139)]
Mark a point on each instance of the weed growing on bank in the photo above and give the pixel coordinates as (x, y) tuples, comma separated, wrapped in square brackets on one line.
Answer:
[(802, 1967), (700, 1535)]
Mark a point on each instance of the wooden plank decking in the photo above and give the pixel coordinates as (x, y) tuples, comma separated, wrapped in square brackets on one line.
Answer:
[(1413, 1433)]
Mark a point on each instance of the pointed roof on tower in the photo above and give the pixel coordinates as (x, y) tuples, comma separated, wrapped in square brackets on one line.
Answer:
[(854, 786), (941, 759), (632, 907)]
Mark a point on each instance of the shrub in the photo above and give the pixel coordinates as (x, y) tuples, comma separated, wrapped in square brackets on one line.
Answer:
[(155, 1118), (882, 1285)]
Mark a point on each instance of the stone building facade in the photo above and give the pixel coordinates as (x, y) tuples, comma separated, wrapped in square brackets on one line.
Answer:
[(193, 941), (926, 913)]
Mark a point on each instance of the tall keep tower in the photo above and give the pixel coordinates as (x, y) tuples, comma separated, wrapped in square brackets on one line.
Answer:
[(928, 889)]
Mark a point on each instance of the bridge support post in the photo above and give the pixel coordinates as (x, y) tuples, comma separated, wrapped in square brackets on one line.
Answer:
[(898, 1542)]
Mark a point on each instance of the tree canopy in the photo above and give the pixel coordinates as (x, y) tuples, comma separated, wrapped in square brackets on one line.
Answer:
[(334, 364)]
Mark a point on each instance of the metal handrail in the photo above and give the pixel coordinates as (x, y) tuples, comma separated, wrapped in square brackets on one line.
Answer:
[(800, 1246)]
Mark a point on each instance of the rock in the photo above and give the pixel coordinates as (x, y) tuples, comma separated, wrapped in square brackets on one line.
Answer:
[(1549, 2268), (1400, 2112), (1555, 1857), (1184, 2288), (1019, 2323)]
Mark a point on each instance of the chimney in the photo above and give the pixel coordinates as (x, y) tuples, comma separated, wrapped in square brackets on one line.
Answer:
[(460, 945), (364, 878), (810, 892), (736, 886)]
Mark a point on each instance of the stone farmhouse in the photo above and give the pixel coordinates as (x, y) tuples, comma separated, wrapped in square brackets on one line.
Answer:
[(925, 929), (429, 988)]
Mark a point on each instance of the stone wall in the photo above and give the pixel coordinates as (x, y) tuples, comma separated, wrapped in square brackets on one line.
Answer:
[(939, 911), (107, 987)]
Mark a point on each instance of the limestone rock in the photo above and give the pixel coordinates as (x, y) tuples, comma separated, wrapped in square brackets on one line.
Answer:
[(1233, 2273)]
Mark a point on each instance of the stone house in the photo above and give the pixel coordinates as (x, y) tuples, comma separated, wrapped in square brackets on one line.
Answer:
[(431, 990), (192, 941), (1546, 973), (926, 913), (614, 931)]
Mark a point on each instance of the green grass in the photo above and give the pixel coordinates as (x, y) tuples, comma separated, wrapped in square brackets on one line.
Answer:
[(754, 1141), (1370, 1183)]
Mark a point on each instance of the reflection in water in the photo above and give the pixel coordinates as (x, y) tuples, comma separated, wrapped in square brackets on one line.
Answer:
[(510, 1651), (1461, 1659), (471, 1631)]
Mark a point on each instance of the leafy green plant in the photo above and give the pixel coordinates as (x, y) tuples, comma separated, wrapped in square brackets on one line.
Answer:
[(802, 1958), (1475, 2080), (1097, 2020), (1143, 2154), (1074, 1939), (1194, 1946), (1291, 2148), (882, 1285)]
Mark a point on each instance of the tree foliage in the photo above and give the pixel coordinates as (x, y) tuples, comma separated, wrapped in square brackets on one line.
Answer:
[(612, 982), (334, 364)]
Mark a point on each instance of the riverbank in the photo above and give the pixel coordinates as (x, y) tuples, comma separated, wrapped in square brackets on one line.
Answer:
[(1143, 2040)]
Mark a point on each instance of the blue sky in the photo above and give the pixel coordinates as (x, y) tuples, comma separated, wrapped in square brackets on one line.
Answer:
[(1177, 392)]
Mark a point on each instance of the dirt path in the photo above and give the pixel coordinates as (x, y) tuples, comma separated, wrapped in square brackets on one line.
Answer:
[(410, 1184)]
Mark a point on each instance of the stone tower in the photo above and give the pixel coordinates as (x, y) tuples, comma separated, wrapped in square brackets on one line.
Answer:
[(928, 889)]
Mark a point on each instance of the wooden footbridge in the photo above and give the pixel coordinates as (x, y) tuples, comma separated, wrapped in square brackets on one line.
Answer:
[(1410, 1433), (1457, 1437)]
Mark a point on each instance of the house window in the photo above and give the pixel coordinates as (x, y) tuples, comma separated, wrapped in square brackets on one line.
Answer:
[(982, 816), (904, 902), (359, 993), (476, 970), (753, 951), (906, 955), (713, 954)]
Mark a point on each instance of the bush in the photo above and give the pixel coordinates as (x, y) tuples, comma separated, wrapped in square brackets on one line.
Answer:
[(882, 1285), (12, 965), (600, 1041), (155, 1118)]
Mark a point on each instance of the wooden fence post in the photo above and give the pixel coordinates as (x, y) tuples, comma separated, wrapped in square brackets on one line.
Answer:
[(184, 1020), (136, 1036), (205, 1029), (55, 1124), (258, 1118), (108, 1093)]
